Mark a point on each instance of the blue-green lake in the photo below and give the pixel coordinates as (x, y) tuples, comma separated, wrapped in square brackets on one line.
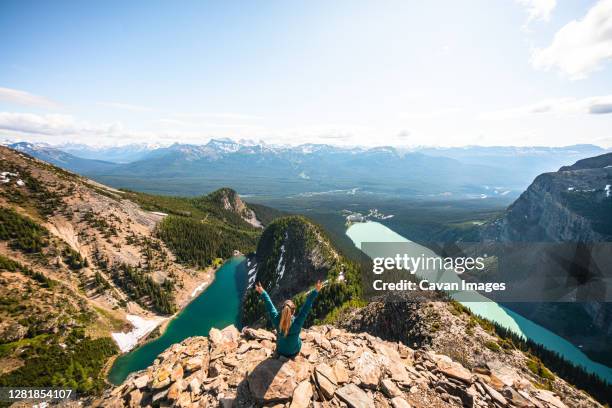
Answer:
[(218, 306)]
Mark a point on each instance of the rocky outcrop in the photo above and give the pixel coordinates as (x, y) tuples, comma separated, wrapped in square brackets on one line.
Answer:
[(292, 254), (334, 368), (229, 200), (12, 332)]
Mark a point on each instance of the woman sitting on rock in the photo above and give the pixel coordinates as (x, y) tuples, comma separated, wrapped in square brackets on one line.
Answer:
[(287, 325)]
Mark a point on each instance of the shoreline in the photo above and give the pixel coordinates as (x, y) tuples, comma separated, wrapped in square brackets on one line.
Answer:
[(165, 320), (122, 363), (163, 324), (161, 328), (107, 367)]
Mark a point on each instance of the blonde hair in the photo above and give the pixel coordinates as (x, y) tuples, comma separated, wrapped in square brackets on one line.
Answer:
[(286, 314)]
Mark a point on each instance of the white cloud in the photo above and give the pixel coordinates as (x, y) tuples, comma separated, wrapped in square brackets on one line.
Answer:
[(53, 125), (25, 98), (581, 46), (579, 127), (538, 9), (596, 105), (54, 128)]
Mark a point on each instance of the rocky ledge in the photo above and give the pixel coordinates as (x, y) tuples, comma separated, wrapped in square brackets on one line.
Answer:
[(335, 368)]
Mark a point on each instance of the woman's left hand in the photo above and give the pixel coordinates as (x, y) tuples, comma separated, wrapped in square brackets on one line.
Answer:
[(258, 288)]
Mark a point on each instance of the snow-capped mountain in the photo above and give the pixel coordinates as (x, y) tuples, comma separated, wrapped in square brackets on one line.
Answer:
[(62, 159), (116, 154), (261, 168)]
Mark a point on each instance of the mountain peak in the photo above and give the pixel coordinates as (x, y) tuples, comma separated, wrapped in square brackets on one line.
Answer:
[(25, 146), (292, 254), (229, 200), (221, 140), (224, 145)]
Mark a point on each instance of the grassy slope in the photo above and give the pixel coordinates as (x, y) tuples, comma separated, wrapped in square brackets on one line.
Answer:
[(55, 349)]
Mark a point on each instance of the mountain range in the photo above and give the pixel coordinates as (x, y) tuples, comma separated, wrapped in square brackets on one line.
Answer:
[(271, 170)]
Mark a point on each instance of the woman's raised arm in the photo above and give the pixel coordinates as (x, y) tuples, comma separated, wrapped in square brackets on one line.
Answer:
[(267, 301), (305, 309)]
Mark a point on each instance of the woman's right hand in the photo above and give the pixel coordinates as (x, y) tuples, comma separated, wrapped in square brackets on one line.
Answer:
[(258, 288)]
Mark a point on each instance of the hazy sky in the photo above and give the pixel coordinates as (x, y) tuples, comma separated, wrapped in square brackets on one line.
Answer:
[(507, 72)]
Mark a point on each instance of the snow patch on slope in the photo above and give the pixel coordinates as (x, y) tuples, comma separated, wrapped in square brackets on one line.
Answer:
[(5, 176), (252, 274), (280, 267), (200, 287), (142, 327)]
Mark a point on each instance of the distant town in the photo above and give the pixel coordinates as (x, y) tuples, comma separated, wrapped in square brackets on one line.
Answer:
[(353, 217)]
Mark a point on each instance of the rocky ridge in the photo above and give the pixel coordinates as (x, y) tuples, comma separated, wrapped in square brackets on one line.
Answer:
[(601, 161), (335, 368)]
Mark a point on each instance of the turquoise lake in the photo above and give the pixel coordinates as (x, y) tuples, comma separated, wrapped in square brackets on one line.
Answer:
[(218, 306), (375, 232)]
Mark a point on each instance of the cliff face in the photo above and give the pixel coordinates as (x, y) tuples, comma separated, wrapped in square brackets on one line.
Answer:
[(572, 205), (337, 368)]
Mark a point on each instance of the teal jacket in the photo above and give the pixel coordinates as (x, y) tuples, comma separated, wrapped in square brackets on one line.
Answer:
[(291, 344)]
